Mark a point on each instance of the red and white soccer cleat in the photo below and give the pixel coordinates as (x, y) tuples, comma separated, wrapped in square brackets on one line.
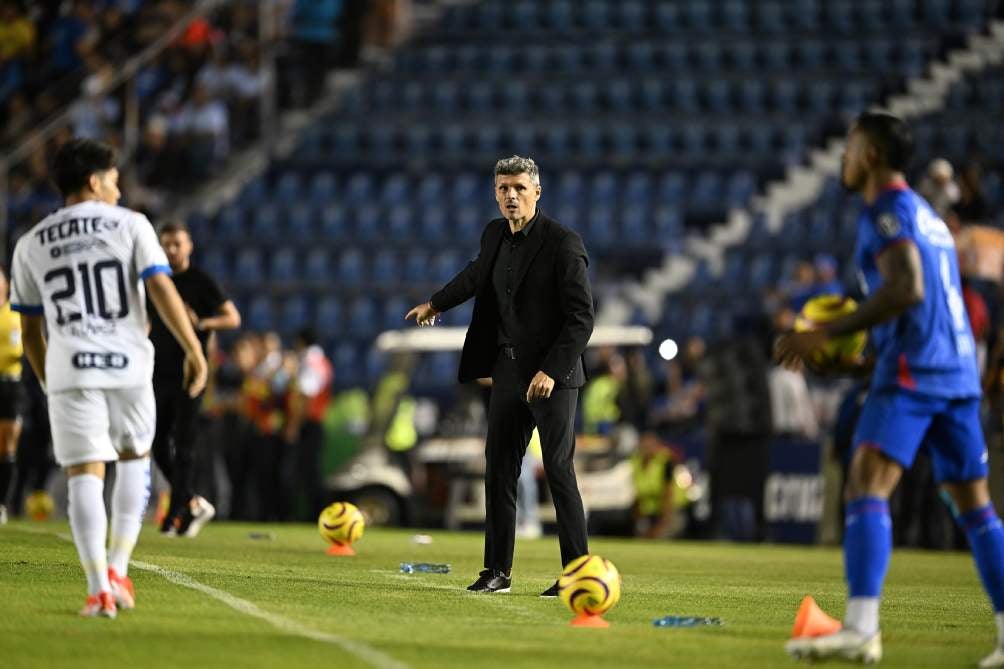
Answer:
[(122, 590), (101, 604)]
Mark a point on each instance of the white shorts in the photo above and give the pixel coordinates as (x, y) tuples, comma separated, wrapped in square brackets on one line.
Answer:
[(99, 425)]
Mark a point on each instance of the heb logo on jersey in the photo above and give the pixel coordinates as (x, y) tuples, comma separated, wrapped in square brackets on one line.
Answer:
[(87, 360)]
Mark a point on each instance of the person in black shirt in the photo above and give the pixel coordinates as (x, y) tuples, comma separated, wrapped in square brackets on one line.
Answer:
[(533, 316), (174, 440)]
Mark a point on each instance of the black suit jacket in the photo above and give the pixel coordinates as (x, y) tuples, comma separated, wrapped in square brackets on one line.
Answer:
[(551, 297)]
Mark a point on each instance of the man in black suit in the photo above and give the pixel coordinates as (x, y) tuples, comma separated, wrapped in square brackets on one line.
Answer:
[(533, 315)]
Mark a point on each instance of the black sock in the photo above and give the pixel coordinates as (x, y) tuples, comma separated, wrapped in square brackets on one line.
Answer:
[(6, 476)]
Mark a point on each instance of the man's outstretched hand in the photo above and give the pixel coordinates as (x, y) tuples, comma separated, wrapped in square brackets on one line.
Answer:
[(423, 314)]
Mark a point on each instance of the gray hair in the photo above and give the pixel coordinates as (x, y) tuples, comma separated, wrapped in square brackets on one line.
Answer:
[(518, 165)]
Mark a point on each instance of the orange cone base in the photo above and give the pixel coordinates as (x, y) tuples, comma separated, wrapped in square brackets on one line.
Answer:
[(588, 620), (340, 550), (812, 621)]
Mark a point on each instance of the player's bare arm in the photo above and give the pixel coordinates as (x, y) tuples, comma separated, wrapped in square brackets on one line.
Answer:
[(33, 336), (228, 318), (902, 288), (172, 311)]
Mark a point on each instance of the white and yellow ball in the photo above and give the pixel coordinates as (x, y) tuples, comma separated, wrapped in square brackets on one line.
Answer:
[(823, 309), (590, 585), (341, 523), (39, 505)]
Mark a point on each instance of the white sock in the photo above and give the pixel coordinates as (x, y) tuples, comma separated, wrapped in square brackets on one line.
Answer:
[(999, 618), (90, 528), (862, 615), (129, 499)]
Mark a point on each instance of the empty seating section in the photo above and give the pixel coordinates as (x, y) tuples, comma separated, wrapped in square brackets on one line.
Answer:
[(648, 119)]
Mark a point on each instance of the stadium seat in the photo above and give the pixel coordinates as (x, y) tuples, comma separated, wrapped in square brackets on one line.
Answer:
[(230, 224), (260, 316), (328, 315), (215, 261), (284, 266), (249, 268), (317, 266), (386, 267), (334, 223), (300, 223), (351, 267), (362, 317), (294, 314), (288, 187), (417, 267)]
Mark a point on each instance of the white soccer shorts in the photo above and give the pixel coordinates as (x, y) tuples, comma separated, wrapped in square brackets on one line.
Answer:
[(100, 425)]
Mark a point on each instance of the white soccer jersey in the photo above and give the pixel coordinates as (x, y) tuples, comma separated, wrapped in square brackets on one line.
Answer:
[(83, 268)]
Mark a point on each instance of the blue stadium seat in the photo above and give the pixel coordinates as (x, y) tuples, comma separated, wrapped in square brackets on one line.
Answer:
[(249, 268), (284, 265), (288, 187), (601, 226), (638, 188), (394, 310), (417, 267), (741, 187), (294, 313), (684, 96), (351, 267), (386, 267), (328, 315), (334, 223), (346, 141), (742, 55), (360, 188), (669, 222), (348, 364), (777, 56), (215, 261), (396, 189), (709, 56), (230, 224), (468, 187), (639, 57), (300, 223), (265, 223), (254, 192), (368, 222), (761, 271), (751, 96), (323, 189), (558, 15), (671, 188), (811, 53), (698, 15), (785, 96), (318, 267), (445, 266), (362, 317), (770, 17), (260, 315), (719, 96), (693, 138), (667, 17), (634, 229), (467, 225), (734, 16), (652, 95)]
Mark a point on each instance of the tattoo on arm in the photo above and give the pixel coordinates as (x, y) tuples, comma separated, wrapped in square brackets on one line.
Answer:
[(902, 288)]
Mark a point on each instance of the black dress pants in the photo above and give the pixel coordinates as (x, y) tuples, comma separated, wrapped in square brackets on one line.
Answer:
[(175, 437), (510, 424)]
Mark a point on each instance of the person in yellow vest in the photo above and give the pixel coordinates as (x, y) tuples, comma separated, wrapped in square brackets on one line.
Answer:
[(652, 471), (12, 396)]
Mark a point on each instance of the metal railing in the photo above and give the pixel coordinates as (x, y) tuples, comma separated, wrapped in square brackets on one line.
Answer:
[(126, 75)]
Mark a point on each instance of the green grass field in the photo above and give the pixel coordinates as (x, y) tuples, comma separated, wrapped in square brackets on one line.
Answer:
[(361, 612)]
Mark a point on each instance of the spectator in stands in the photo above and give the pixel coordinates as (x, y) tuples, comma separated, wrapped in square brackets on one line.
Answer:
[(802, 286), (17, 119), (679, 401), (388, 23), (972, 205), (203, 124), (827, 276), (314, 36), (938, 187), (71, 37), (17, 32), (94, 112)]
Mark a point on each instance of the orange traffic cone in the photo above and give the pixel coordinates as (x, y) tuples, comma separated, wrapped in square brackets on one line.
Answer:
[(589, 620), (813, 621), (340, 550)]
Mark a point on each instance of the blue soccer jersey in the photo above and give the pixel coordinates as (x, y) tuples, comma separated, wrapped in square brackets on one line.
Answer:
[(929, 349)]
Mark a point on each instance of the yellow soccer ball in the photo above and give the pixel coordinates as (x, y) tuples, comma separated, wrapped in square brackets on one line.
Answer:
[(823, 309), (39, 505), (341, 523), (590, 585)]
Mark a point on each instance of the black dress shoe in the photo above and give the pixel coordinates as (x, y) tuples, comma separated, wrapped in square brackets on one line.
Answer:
[(491, 580), (551, 592)]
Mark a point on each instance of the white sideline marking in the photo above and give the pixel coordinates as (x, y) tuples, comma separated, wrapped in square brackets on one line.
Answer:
[(361, 650)]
